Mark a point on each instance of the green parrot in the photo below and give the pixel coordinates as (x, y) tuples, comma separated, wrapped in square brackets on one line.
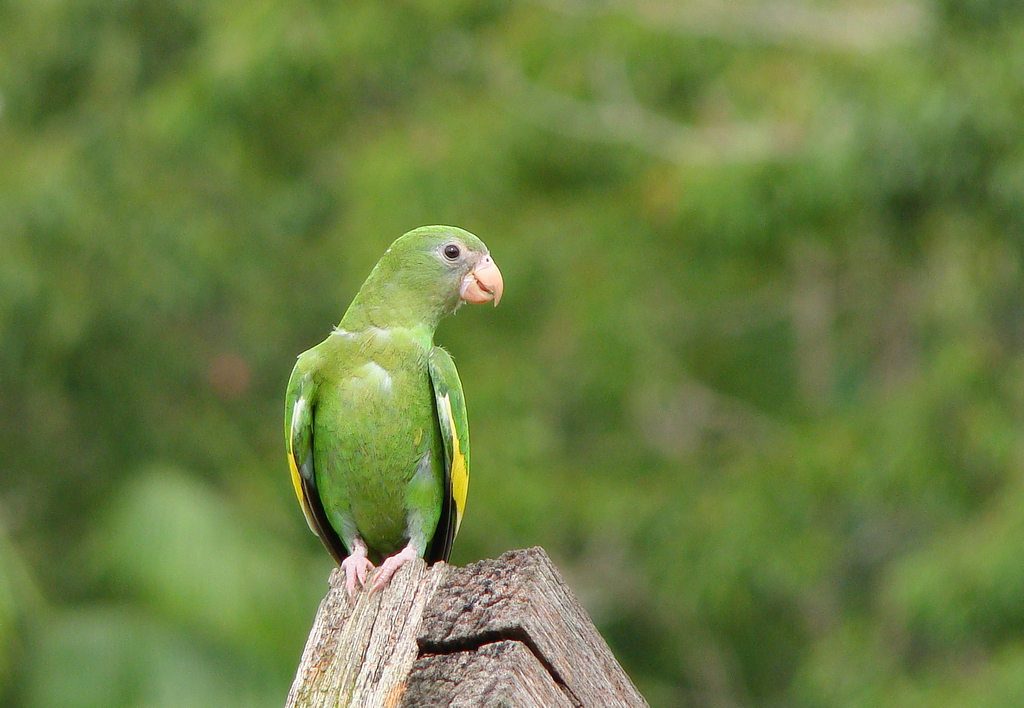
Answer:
[(375, 419)]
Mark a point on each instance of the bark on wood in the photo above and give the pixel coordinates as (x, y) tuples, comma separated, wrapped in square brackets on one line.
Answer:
[(496, 674), (496, 633)]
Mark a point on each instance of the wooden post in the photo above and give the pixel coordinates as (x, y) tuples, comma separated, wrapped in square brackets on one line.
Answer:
[(496, 633)]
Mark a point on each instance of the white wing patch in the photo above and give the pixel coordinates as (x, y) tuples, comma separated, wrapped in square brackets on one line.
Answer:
[(298, 410)]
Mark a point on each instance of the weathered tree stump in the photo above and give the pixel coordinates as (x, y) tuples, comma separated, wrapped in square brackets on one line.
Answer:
[(505, 632)]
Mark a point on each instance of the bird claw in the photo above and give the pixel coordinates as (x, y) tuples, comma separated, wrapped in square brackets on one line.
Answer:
[(356, 566), (390, 566)]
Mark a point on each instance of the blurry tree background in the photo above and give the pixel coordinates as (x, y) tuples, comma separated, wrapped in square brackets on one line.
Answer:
[(757, 384)]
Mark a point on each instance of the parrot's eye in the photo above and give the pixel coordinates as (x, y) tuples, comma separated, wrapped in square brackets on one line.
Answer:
[(451, 251)]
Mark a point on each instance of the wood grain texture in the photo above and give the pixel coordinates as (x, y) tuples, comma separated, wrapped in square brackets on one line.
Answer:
[(505, 632), (360, 652)]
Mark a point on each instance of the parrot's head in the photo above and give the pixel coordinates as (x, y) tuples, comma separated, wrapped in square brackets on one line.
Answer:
[(429, 272)]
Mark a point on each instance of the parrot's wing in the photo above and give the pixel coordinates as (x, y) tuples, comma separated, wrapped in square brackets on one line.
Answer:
[(300, 410), (451, 415)]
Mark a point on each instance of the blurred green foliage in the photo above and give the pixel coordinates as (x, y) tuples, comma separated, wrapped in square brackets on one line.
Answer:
[(757, 383)]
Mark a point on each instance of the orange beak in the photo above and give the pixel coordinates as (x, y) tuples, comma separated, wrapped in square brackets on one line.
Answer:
[(482, 284)]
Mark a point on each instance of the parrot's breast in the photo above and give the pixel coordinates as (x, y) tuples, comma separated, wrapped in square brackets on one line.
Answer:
[(377, 430), (373, 374)]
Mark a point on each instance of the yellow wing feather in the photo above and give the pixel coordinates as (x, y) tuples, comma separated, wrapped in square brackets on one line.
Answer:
[(293, 466), (459, 472)]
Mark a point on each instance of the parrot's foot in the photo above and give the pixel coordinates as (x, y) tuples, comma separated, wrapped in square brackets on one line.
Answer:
[(356, 567), (390, 566)]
